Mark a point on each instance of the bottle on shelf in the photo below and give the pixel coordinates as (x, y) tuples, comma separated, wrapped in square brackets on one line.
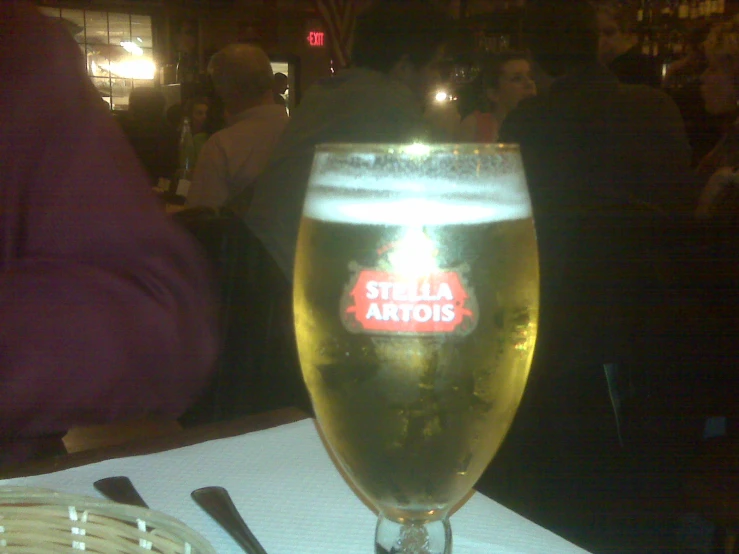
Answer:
[(694, 9), (187, 161), (650, 13), (646, 44), (673, 51), (683, 10), (667, 10)]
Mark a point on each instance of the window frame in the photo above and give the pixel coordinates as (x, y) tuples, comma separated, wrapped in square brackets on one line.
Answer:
[(58, 12)]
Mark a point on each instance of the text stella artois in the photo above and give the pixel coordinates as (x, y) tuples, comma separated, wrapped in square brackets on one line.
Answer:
[(381, 302)]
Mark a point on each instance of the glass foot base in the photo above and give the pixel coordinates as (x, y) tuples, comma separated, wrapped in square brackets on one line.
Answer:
[(433, 537)]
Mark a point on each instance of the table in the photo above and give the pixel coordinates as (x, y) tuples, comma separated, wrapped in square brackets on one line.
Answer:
[(284, 483), (177, 439)]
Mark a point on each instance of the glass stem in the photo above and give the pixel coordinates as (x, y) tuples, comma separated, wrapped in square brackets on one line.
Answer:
[(413, 537)]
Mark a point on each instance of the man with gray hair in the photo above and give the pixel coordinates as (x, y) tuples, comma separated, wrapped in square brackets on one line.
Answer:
[(231, 159)]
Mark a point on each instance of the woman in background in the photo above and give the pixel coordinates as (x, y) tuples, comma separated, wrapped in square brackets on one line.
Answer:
[(198, 110), (720, 91), (506, 80)]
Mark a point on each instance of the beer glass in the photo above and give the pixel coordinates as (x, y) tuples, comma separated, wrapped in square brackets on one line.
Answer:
[(416, 297)]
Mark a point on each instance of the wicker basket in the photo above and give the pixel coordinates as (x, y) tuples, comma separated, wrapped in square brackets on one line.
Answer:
[(41, 521)]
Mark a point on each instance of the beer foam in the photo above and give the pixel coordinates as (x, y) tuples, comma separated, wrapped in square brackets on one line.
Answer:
[(428, 202)]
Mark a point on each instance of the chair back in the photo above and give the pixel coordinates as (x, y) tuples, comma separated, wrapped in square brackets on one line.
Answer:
[(258, 367)]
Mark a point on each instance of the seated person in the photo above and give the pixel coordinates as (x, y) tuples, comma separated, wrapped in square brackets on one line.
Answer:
[(619, 49), (379, 99), (721, 97), (153, 139), (718, 202), (506, 80), (229, 162), (198, 110), (606, 162), (105, 305), (683, 83)]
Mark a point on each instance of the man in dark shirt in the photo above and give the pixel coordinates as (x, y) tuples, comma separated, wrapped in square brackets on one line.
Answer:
[(378, 99), (152, 137), (619, 49), (603, 161)]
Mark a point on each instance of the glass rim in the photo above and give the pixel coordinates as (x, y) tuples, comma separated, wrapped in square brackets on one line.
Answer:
[(416, 148)]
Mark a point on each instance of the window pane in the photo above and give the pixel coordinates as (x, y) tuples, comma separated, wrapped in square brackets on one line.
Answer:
[(102, 85), (98, 64), (141, 30), (142, 83), (121, 90), (137, 64), (97, 27), (120, 28), (75, 23), (145, 68)]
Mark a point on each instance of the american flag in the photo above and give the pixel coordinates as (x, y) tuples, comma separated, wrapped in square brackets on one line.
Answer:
[(339, 17)]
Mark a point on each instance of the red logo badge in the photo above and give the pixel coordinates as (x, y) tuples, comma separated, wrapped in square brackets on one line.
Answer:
[(380, 302)]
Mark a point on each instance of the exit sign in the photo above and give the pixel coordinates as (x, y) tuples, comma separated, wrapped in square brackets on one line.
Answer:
[(316, 38)]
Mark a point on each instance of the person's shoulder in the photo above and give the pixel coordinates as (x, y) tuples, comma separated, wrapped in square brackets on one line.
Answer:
[(524, 120), (263, 117), (199, 139), (276, 119), (36, 46), (214, 143), (15, 15), (278, 113), (169, 131), (529, 109), (635, 67), (261, 126), (634, 55), (644, 96)]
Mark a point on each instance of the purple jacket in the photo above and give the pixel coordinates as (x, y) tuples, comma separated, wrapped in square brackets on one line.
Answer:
[(105, 305)]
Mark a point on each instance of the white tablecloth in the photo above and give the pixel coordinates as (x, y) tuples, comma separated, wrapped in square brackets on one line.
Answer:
[(291, 495)]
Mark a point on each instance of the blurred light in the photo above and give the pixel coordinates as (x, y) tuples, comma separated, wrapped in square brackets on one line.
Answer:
[(417, 149), (132, 48), (131, 68), (441, 96), (139, 39), (414, 255)]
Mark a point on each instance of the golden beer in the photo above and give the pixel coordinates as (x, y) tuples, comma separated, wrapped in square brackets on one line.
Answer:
[(416, 306)]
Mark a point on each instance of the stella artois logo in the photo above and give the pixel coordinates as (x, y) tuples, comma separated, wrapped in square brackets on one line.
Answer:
[(383, 300)]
